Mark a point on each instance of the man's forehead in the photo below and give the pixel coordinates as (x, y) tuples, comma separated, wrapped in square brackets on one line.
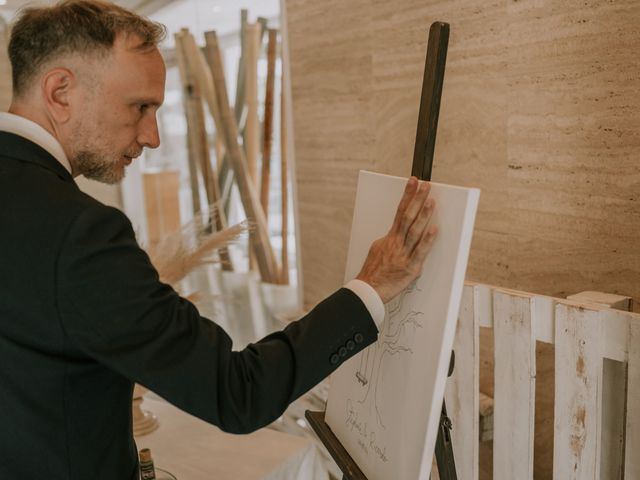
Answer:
[(139, 69)]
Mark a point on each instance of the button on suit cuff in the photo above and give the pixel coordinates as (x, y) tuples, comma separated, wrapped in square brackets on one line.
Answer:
[(370, 298)]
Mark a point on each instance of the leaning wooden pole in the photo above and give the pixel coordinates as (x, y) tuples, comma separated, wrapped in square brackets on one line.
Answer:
[(188, 51), (239, 104), (187, 102), (251, 137), (267, 130), (284, 182), (203, 86), (252, 133), (225, 178), (261, 245)]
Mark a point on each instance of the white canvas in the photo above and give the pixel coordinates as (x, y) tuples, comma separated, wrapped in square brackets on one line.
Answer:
[(384, 403)]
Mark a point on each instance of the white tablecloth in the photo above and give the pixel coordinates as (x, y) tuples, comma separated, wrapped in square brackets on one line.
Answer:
[(194, 450)]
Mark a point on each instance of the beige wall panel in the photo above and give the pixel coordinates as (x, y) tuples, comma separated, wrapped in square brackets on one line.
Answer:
[(332, 69), (573, 138), (540, 110)]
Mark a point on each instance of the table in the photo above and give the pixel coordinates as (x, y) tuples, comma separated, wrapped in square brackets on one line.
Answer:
[(192, 449)]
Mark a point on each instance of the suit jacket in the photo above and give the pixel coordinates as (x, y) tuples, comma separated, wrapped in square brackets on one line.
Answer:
[(83, 315)]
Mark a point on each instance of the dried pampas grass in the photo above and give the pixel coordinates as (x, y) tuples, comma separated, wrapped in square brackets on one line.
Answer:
[(181, 252)]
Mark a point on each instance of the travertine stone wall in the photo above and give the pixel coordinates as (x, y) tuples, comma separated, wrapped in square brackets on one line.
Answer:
[(540, 109)]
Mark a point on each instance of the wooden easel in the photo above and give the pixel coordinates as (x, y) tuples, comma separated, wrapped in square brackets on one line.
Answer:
[(421, 168)]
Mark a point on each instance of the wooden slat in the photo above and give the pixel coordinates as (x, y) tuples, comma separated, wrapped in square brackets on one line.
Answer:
[(267, 130), (239, 104), (462, 392), (201, 77), (613, 383), (609, 300), (195, 114), (484, 298), (261, 245), (188, 102), (284, 184), (632, 440), (578, 384), (252, 133), (514, 391), (613, 407)]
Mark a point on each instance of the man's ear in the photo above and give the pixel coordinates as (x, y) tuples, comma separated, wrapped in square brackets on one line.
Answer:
[(57, 85)]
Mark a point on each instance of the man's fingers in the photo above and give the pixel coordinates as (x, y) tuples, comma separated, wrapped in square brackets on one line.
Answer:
[(417, 229), (413, 208), (409, 192), (423, 247)]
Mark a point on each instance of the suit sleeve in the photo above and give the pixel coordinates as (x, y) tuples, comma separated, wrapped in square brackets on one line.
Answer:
[(113, 307)]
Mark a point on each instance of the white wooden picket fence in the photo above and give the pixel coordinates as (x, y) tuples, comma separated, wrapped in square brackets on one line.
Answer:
[(597, 406)]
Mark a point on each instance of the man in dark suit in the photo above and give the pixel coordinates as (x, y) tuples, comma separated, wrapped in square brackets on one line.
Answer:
[(82, 312)]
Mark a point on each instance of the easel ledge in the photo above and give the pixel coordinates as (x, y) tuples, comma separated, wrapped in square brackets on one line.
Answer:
[(347, 465)]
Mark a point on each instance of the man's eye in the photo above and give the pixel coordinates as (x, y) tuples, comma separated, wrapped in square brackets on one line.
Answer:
[(143, 107)]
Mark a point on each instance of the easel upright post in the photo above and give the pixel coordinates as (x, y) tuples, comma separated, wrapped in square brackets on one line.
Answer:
[(421, 168)]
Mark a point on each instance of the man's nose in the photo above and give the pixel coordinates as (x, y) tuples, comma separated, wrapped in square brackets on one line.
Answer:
[(148, 136)]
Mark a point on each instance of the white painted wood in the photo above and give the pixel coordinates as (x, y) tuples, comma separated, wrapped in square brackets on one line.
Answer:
[(514, 388), (484, 300), (544, 312), (613, 382), (462, 392), (613, 407), (578, 386), (632, 443), (615, 337), (609, 300)]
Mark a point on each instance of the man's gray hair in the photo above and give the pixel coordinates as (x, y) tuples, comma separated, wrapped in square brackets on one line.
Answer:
[(88, 27)]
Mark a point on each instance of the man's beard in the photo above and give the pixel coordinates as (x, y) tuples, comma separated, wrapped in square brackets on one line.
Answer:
[(97, 167)]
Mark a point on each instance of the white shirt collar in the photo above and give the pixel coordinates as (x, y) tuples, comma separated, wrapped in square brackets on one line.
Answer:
[(37, 134)]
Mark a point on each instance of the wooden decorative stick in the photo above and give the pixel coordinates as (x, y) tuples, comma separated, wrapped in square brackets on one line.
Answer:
[(284, 182), (204, 79), (192, 63), (188, 107), (261, 245), (220, 151), (226, 173), (197, 82), (238, 106), (252, 134), (267, 130)]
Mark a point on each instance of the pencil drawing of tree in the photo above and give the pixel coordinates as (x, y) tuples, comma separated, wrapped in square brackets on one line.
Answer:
[(398, 327)]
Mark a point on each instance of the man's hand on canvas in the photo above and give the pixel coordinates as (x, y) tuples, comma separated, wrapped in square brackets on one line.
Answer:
[(396, 259)]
